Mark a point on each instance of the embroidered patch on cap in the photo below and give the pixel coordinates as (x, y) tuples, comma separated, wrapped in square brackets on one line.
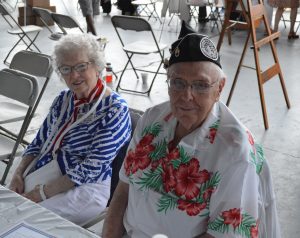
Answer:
[(208, 49)]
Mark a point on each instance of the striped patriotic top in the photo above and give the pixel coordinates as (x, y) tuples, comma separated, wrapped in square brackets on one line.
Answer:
[(88, 149)]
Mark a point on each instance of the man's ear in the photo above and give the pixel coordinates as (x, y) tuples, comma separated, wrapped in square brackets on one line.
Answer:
[(220, 88), (221, 84)]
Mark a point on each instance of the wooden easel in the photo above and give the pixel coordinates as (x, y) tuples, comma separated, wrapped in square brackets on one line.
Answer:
[(255, 16)]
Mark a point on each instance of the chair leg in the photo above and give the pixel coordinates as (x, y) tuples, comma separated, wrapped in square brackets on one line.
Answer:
[(134, 69), (32, 42), (123, 71), (149, 90), (121, 76), (15, 45)]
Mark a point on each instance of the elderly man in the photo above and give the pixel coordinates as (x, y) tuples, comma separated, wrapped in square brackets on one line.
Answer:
[(192, 169)]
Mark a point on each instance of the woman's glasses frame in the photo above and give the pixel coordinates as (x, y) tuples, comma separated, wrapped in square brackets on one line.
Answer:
[(66, 70)]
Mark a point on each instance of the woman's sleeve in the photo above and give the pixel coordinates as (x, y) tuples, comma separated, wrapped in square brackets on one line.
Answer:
[(35, 146), (113, 131)]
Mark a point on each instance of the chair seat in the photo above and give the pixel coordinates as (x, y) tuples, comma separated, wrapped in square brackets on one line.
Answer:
[(56, 36), (6, 146), (143, 2), (143, 47), (199, 3), (12, 112), (27, 29)]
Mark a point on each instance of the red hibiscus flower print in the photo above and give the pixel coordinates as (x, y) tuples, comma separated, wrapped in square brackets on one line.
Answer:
[(254, 231), (191, 208), (212, 135), (146, 140), (188, 177), (250, 138), (232, 217), (169, 180), (139, 159), (174, 154), (155, 164), (129, 161), (207, 193)]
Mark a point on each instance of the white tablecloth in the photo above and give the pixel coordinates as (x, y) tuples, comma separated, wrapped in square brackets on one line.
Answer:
[(15, 209)]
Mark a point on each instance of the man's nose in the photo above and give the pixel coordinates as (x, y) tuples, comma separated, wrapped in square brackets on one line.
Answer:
[(188, 95)]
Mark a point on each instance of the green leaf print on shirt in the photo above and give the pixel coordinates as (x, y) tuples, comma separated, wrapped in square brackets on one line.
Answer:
[(256, 153), (233, 220)]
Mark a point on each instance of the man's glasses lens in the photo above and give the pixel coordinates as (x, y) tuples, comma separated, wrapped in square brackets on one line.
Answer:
[(181, 85)]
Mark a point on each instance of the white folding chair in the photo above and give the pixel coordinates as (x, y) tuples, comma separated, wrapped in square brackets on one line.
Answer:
[(21, 31), (138, 27), (147, 7), (25, 93)]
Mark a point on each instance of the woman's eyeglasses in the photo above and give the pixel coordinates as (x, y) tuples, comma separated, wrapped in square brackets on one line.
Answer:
[(79, 68), (197, 87)]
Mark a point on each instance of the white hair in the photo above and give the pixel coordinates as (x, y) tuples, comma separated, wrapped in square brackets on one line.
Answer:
[(79, 43)]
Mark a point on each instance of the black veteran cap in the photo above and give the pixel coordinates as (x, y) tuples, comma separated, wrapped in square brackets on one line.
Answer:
[(192, 46)]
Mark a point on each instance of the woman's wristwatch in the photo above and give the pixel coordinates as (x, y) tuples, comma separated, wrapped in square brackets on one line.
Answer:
[(42, 193)]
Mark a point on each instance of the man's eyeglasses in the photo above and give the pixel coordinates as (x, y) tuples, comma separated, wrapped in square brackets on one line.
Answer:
[(79, 68), (197, 86)]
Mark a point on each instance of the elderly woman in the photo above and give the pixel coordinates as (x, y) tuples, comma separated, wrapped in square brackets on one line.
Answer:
[(192, 169), (81, 135)]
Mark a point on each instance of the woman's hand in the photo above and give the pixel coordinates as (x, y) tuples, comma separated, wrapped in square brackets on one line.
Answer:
[(34, 195), (17, 184)]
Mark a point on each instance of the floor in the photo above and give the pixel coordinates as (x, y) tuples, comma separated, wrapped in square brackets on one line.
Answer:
[(281, 141)]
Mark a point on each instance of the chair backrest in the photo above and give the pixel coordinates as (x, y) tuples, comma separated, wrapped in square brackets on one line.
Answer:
[(118, 161), (137, 24), (65, 21), (3, 10), (36, 64), (31, 62), (44, 15), (130, 23), (26, 90), (9, 18)]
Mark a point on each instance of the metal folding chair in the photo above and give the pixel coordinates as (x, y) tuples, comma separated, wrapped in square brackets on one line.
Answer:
[(135, 115), (21, 31), (147, 7), (65, 22), (25, 93), (213, 5), (45, 16), (138, 26)]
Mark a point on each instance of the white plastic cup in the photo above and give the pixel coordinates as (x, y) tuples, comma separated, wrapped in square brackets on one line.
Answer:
[(144, 77), (159, 236)]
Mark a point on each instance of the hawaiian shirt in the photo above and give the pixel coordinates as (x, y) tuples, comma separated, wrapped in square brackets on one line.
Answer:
[(215, 180)]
